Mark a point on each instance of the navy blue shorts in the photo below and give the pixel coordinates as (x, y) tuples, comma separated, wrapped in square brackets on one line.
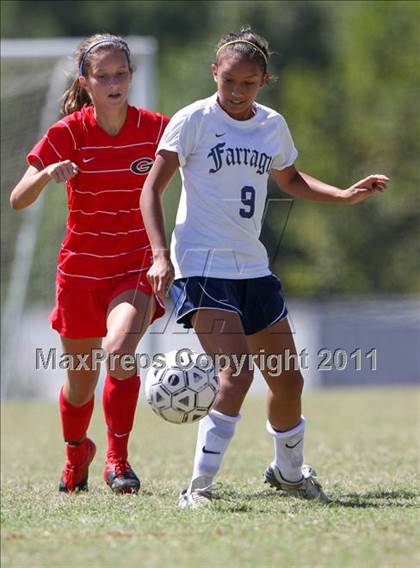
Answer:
[(258, 301)]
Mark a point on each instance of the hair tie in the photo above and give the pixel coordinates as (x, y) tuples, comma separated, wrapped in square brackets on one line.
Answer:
[(100, 42), (244, 41)]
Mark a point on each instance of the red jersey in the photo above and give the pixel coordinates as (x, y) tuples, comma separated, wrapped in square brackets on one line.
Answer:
[(105, 239)]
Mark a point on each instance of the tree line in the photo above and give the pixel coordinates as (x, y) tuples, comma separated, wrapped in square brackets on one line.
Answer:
[(346, 78)]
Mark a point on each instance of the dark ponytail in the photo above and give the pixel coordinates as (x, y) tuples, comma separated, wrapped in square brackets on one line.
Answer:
[(75, 98)]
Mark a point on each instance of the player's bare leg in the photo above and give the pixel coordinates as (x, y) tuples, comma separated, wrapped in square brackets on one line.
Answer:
[(80, 383), (129, 315), (220, 332), (285, 388), (285, 423)]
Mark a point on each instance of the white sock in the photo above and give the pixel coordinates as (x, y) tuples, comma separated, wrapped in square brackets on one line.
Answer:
[(288, 450), (215, 431)]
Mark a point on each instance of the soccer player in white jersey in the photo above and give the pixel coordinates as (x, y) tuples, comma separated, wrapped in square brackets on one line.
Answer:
[(226, 147)]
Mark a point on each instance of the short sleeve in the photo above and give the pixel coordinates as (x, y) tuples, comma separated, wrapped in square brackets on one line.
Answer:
[(287, 152), (179, 136), (163, 126), (57, 144)]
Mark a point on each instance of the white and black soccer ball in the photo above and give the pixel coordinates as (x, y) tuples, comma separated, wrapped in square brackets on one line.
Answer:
[(184, 389)]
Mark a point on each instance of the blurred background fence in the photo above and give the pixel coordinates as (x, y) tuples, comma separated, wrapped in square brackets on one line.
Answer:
[(347, 79)]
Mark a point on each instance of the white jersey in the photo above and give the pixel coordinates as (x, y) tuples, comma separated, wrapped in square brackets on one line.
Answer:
[(225, 164)]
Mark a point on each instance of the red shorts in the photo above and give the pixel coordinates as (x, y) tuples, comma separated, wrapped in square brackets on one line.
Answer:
[(80, 313)]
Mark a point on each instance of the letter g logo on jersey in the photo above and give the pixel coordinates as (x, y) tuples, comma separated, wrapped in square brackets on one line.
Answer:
[(142, 165)]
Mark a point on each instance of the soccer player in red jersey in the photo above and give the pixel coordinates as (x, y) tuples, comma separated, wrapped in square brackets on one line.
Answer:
[(102, 149)]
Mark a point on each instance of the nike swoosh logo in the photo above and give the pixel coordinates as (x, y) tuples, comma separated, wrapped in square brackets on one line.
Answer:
[(209, 451), (86, 160), (120, 435), (219, 135), (294, 446)]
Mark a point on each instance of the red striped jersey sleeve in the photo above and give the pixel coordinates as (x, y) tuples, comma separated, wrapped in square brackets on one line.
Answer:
[(57, 144)]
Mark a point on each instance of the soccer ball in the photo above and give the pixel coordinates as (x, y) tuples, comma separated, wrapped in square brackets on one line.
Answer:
[(182, 390)]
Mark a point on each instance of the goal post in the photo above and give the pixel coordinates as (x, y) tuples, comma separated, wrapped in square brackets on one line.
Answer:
[(34, 75), (143, 51)]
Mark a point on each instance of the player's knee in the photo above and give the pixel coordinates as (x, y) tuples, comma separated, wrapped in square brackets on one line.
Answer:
[(292, 384), (121, 361), (115, 344)]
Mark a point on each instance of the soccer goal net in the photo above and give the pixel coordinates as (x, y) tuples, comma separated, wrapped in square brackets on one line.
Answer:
[(34, 75)]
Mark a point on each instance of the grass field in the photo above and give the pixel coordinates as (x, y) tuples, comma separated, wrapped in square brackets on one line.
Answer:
[(362, 442)]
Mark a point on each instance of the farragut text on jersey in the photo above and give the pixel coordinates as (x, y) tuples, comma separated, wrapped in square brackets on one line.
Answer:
[(238, 156)]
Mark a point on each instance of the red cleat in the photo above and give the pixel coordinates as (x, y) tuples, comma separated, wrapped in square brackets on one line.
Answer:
[(120, 477), (76, 469)]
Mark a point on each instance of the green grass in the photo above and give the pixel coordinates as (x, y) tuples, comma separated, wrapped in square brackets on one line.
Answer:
[(363, 443)]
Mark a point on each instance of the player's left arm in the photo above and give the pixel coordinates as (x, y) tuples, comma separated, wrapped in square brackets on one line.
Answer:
[(305, 186)]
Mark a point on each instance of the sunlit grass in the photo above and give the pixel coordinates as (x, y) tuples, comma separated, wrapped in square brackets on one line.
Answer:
[(362, 442)]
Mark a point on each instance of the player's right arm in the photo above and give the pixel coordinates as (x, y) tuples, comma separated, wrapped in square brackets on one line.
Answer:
[(33, 182)]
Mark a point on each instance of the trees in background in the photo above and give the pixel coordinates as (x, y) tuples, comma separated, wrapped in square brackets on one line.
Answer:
[(347, 81)]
